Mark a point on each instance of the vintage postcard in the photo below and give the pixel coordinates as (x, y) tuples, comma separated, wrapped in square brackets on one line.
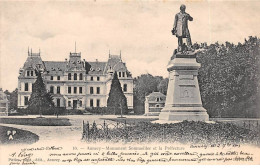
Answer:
[(129, 82)]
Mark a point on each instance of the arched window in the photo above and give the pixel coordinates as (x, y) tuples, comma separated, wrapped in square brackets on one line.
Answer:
[(75, 76), (69, 76), (125, 87), (80, 76)]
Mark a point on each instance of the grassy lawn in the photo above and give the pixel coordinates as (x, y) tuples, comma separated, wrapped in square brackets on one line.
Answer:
[(20, 136), (130, 120), (37, 121)]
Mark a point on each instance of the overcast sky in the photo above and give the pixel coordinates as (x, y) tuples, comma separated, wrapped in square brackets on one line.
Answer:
[(140, 29)]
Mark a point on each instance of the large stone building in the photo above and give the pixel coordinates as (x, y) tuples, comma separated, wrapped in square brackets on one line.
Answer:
[(75, 83)]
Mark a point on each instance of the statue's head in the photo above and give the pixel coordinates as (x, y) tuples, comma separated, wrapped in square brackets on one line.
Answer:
[(182, 8)]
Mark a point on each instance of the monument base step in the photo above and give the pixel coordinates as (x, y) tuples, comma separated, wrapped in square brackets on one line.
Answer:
[(180, 116)]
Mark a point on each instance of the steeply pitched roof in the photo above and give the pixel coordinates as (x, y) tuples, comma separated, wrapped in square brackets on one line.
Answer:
[(96, 67), (32, 62), (55, 67), (115, 62), (156, 94), (153, 97)]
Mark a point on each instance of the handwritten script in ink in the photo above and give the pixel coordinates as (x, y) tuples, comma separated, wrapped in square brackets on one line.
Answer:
[(127, 154)]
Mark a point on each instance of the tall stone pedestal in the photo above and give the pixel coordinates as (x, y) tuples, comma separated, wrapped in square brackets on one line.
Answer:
[(183, 101)]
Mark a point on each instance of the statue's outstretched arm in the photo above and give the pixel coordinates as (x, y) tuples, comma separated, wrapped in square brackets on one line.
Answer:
[(190, 18)]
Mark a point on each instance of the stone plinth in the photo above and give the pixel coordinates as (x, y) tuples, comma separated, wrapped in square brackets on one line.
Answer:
[(183, 100)]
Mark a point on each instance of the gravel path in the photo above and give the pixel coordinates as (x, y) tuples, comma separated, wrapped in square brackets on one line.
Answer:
[(71, 133)]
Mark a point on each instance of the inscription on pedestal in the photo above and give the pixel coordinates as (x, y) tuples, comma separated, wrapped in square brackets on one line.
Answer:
[(187, 91)]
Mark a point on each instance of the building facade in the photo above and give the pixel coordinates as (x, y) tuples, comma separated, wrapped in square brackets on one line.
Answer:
[(75, 83), (154, 103)]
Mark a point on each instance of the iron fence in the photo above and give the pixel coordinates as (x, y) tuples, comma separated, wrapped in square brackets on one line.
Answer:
[(147, 132)]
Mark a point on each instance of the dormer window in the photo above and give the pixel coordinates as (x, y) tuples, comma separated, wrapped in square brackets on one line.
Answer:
[(98, 69), (91, 69), (78, 61), (53, 69), (158, 99)]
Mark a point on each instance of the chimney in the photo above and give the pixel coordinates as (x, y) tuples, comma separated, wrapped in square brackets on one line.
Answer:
[(84, 62)]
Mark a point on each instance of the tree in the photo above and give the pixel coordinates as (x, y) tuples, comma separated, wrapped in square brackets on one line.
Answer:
[(163, 86), (144, 85), (12, 97), (117, 100), (40, 99), (229, 79)]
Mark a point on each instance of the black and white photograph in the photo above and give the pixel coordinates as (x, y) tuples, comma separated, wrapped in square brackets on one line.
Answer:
[(102, 82)]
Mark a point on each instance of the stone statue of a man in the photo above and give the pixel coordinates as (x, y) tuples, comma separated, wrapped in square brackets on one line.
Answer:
[(180, 28)]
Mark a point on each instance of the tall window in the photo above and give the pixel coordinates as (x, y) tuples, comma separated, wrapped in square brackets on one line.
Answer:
[(91, 90), (80, 103), (80, 76), (98, 78), (75, 76), (91, 78), (98, 90), (51, 89), (58, 90), (119, 74), (91, 102), (69, 103), (51, 77), (31, 73), (28, 73), (26, 87), (58, 77), (75, 89), (69, 76), (123, 74), (26, 100), (80, 90), (98, 102), (69, 89), (58, 102), (125, 87)]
